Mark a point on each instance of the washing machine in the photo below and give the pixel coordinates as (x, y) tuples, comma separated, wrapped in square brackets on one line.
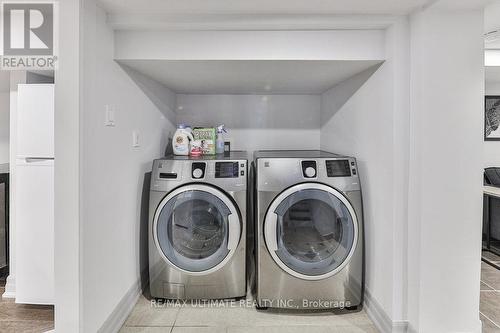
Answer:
[(309, 230), (197, 226)]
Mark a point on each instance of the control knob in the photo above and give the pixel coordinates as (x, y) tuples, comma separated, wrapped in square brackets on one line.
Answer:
[(310, 172), (197, 173)]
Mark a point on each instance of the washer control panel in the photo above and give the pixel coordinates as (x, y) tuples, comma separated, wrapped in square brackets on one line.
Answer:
[(309, 169), (227, 170), (198, 170), (230, 175)]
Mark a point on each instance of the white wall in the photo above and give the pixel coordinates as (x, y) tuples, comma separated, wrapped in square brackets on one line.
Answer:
[(491, 19), (113, 244), (4, 127), (67, 170), (491, 153), (446, 160), (250, 45), (363, 128), (257, 121), (358, 120)]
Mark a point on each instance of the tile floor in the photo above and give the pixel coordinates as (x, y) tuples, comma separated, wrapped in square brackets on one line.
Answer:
[(24, 318), (489, 307), (234, 318)]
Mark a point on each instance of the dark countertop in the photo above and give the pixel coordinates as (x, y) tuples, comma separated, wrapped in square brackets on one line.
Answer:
[(295, 154), (233, 155)]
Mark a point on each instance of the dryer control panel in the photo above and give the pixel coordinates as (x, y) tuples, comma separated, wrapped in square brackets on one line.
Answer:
[(339, 168), (277, 173)]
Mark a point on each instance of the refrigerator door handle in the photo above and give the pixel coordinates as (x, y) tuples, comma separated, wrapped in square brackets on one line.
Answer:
[(37, 159)]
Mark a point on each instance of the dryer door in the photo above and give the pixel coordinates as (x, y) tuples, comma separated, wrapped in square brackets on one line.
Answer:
[(311, 231), (197, 228)]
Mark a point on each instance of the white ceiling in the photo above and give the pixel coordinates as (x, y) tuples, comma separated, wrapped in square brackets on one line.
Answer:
[(262, 6), (249, 77)]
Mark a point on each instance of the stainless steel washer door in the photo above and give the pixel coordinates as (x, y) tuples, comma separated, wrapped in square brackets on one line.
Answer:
[(196, 228), (311, 231)]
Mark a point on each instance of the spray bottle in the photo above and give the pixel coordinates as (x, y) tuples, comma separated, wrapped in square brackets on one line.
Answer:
[(219, 143)]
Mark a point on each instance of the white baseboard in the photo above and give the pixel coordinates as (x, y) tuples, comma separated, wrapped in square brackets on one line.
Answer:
[(411, 329), (479, 328), (121, 312), (382, 321), (10, 288)]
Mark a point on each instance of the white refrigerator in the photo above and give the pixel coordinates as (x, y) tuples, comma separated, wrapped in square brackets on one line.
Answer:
[(34, 194)]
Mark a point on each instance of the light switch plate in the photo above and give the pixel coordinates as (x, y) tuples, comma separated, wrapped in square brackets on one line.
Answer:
[(109, 115), (135, 139)]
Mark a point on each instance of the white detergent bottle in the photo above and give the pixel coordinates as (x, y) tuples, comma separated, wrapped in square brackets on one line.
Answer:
[(219, 142), (181, 140)]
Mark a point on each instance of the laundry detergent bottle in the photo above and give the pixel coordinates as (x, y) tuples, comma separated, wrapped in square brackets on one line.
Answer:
[(181, 140)]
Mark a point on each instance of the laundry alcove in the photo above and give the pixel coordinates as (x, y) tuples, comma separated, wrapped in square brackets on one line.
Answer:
[(323, 89), (265, 104)]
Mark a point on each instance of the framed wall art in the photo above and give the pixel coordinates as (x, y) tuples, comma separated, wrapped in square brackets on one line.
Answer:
[(492, 118)]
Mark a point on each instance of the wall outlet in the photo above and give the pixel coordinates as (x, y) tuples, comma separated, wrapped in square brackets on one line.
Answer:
[(135, 139), (109, 115)]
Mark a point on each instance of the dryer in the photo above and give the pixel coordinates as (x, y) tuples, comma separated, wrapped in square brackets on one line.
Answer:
[(309, 230), (197, 227)]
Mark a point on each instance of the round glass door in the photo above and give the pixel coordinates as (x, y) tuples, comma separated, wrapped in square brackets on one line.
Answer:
[(311, 231), (192, 228)]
